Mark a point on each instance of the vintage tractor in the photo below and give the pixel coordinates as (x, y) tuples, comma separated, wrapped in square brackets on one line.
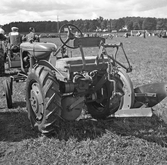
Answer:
[(15, 59), (11, 60), (62, 87)]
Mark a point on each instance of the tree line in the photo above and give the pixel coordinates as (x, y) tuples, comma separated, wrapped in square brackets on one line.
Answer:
[(132, 23)]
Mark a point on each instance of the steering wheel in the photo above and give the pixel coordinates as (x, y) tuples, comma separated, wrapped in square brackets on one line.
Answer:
[(70, 32)]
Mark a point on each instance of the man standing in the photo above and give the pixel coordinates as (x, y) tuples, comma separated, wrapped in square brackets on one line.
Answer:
[(31, 36), (14, 39), (2, 52)]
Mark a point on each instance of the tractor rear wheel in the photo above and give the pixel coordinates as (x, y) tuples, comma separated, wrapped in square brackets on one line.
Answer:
[(100, 109), (43, 100)]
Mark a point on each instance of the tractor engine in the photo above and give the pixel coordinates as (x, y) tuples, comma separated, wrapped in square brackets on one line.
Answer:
[(81, 89), (73, 101), (78, 85), (82, 82)]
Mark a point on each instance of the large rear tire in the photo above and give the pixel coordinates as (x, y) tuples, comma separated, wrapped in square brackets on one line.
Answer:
[(43, 100), (101, 110), (107, 107)]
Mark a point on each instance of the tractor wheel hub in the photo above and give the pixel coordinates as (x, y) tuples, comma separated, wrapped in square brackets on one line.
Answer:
[(36, 101)]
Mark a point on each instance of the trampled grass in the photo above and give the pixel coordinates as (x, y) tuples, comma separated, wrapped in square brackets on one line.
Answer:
[(120, 141)]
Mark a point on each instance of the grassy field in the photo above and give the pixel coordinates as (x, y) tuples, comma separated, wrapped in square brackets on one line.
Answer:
[(120, 141)]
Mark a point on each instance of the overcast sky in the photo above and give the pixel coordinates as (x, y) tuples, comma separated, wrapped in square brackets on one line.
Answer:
[(53, 10)]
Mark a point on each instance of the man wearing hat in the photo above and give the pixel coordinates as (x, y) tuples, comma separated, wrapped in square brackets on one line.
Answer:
[(31, 36), (14, 39)]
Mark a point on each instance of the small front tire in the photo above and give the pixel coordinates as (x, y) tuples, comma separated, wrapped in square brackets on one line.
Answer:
[(7, 84)]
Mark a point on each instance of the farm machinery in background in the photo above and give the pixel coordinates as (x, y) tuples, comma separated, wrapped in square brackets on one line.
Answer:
[(15, 60), (161, 34), (61, 87)]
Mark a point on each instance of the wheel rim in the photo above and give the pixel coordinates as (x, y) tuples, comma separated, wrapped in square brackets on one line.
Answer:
[(36, 101)]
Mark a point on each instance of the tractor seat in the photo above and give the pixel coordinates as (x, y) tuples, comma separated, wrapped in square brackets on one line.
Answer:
[(81, 63), (75, 64)]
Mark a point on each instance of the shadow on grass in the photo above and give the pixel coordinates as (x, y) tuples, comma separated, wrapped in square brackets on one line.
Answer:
[(21, 104), (149, 129), (15, 126), (81, 130)]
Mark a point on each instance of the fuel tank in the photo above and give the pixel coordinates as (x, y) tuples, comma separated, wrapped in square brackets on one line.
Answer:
[(41, 50)]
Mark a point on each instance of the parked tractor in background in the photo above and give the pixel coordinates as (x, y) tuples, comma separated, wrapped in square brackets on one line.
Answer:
[(61, 87), (14, 60)]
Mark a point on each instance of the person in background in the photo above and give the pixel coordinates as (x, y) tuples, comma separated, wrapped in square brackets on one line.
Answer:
[(2, 35), (24, 39), (14, 38), (2, 52), (31, 36), (144, 34), (14, 41)]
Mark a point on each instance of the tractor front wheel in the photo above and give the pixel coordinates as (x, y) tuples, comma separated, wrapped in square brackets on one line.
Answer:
[(43, 100), (7, 84)]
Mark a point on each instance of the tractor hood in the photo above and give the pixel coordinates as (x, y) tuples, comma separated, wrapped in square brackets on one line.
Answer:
[(39, 46), (40, 50)]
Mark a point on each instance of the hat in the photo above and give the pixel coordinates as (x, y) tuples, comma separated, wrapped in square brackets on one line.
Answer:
[(31, 29), (2, 31), (14, 28)]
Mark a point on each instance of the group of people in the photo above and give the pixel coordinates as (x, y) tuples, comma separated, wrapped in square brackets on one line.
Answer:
[(15, 38), (10, 43)]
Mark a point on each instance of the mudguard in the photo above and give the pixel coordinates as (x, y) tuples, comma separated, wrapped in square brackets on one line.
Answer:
[(59, 75), (128, 99)]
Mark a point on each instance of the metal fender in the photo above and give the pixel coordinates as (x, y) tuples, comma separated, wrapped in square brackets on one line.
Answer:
[(128, 99), (151, 94), (59, 75)]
